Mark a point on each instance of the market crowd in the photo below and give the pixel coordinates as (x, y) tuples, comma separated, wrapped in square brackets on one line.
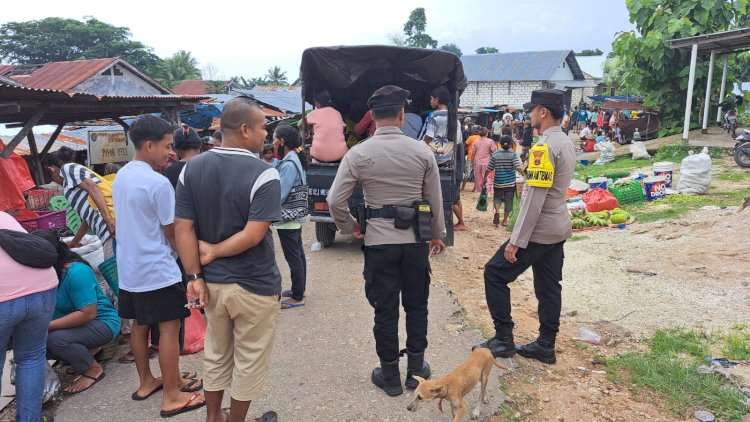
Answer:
[(181, 258)]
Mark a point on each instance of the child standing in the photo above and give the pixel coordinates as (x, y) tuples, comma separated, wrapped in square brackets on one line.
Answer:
[(506, 164), (483, 149)]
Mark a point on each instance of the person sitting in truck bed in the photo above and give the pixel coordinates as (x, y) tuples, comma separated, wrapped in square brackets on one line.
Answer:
[(328, 144)]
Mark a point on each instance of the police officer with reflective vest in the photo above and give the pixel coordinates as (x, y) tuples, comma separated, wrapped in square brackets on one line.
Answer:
[(542, 227), (402, 224)]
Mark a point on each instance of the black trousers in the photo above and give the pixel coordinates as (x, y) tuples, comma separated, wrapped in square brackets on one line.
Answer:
[(546, 261), (392, 271), (294, 253)]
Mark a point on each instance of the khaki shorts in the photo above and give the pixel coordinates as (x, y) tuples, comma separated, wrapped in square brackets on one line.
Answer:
[(239, 336)]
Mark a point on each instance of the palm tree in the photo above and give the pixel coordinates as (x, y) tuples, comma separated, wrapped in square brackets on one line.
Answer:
[(275, 76), (179, 67)]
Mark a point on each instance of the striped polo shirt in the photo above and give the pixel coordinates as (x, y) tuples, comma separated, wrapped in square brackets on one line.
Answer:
[(73, 175), (505, 163)]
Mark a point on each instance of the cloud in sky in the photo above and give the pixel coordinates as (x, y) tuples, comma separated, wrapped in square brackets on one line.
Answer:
[(247, 38)]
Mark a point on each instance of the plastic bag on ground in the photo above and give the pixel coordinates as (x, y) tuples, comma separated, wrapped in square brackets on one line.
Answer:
[(92, 251), (638, 149), (695, 173), (51, 384), (598, 199)]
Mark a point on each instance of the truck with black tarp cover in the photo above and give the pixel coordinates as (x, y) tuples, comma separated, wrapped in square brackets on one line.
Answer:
[(351, 74)]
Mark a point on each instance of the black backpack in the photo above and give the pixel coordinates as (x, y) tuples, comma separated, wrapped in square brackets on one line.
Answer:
[(28, 249)]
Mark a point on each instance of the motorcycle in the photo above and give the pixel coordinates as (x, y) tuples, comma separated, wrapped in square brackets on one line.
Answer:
[(730, 117), (742, 150)]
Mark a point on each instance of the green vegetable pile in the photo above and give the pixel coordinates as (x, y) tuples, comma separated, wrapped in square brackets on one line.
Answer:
[(581, 219)]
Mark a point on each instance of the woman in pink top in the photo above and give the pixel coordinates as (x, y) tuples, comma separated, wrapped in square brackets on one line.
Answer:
[(483, 149), (328, 143), (27, 301)]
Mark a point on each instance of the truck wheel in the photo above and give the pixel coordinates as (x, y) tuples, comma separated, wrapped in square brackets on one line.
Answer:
[(325, 233)]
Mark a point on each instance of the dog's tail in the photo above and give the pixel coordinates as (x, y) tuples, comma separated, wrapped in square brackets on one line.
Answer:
[(500, 366)]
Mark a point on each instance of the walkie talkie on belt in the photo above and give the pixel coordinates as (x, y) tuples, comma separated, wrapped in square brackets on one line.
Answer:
[(423, 223)]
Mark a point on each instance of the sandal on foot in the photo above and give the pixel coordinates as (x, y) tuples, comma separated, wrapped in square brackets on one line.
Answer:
[(193, 386), (97, 379), (189, 375), (127, 358), (187, 407), (285, 304), (136, 397), (286, 293)]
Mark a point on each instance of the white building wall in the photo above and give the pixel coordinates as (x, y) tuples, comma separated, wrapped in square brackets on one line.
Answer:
[(120, 82), (487, 94)]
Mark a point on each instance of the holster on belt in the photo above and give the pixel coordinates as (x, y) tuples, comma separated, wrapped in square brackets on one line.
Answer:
[(423, 221), (362, 217)]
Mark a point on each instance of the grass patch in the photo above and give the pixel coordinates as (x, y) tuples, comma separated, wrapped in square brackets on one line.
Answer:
[(622, 163), (669, 369), (737, 344), (732, 176), (514, 215), (674, 206), (577, 238), (680, 149), (508, 413)]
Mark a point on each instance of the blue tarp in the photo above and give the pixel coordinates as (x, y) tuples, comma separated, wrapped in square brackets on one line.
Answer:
[(202, 116), (602, 98)]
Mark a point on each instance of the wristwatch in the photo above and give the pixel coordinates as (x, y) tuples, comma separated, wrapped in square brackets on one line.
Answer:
[(193, 277)]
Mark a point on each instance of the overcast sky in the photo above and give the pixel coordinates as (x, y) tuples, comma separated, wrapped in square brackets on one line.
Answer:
[(247, 38)]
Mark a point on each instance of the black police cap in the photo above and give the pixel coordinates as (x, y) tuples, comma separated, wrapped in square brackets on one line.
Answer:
[(545, 97), (389, 95)]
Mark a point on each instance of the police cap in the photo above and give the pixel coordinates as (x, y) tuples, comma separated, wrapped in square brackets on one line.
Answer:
[(545, 97), (389, 95)]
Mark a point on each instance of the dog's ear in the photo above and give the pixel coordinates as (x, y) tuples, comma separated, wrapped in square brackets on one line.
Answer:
[(418, 378), (437, 389)]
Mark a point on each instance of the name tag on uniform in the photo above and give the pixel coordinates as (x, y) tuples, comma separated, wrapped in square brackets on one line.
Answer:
[(425, 208)]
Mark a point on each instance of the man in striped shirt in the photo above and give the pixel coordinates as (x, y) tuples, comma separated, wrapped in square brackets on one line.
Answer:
[(505, 163), (79, 183)]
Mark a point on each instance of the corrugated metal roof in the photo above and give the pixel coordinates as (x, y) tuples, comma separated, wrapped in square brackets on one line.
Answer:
[(64, 76), (593, 65), (9, 81), (191, 87), (6, 67), (521, 66), (284, 98), (63, 140)]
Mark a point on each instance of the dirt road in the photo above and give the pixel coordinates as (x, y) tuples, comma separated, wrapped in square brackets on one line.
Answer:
[(323, 355)]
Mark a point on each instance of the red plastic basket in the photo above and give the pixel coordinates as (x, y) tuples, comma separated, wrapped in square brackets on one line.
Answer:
[(39, 199), (46, 220)]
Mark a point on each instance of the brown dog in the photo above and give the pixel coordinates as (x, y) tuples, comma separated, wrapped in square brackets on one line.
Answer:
[(454, 386)]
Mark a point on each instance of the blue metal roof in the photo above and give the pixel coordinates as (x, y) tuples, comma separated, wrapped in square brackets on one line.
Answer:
[(283, 98), (521, 66)]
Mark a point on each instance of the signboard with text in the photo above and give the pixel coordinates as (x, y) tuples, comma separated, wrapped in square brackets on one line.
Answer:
[(109, 146)]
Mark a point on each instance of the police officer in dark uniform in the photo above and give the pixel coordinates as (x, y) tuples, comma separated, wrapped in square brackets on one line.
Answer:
[(402, 224)]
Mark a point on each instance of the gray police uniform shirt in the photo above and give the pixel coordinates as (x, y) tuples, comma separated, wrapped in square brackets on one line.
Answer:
[(221, 190), (543, 217), (393, 169)]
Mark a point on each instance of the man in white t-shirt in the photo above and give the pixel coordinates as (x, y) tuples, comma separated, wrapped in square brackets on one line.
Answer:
[(507, 116), (151, 288)]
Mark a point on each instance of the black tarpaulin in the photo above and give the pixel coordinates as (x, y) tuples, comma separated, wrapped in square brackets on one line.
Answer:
[(358, 71)]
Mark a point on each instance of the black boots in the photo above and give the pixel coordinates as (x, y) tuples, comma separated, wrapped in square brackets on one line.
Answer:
[(417, 366), (501, 346), (388, 377), (543, 350)]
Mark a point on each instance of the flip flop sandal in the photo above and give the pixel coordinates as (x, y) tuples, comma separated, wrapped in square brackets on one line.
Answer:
[(97, 379), (287, 293), (187, 407), (191, 387), (136, 397), (269, 416), (289, 305), (189, 375), (127, 358)]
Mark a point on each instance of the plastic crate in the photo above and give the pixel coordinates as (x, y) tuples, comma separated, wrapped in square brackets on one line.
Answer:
[(38, 199), (628, 194), (46, 220)]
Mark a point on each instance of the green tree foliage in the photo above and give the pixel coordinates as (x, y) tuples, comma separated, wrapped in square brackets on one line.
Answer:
[(486, 50), (181, 66), (614, 72), (658, 72), (453, 48), (249, 83), (57, 39), (276, 77), (595, 52), (414, 30)]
